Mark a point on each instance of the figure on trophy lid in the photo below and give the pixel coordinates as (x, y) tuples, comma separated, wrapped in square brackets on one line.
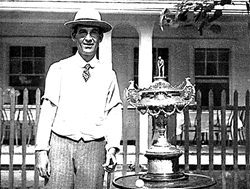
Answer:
[(161, 67)]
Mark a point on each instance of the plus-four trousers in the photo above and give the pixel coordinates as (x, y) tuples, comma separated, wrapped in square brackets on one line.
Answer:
[(76, 164)]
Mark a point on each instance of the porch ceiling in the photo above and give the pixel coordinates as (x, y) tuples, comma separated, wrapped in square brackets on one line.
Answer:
[(110, 6)]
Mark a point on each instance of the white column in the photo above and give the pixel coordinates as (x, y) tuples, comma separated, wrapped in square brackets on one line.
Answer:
[(105, 49), (145, 77)]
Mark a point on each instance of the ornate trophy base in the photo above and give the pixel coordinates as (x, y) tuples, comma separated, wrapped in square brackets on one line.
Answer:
[(162, 100), (161, 171)]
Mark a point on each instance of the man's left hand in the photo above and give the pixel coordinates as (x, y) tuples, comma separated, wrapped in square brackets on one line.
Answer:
[(111, 161)]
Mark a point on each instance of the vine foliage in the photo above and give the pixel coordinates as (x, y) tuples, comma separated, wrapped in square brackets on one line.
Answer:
[(200, 14)]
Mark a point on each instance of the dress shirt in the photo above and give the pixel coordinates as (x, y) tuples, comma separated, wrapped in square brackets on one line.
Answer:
[(77, 109)]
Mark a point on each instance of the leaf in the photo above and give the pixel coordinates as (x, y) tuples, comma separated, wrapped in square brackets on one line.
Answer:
[(224, 2), (248, 7), (209, 8), (201, 26), (189, 4), (198, 6), (215, 28), (217, 14), (197, 17), (163, 16), (183, 16)]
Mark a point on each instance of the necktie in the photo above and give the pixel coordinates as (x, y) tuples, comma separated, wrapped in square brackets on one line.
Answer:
[(85, 73)]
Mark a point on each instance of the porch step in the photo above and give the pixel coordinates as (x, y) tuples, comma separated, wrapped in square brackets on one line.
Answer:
[(30, 157)]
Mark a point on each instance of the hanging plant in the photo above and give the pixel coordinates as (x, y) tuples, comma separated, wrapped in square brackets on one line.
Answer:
[(193, 13), (248, 9)]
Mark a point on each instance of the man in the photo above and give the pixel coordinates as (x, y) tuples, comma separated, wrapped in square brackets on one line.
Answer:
[(160, 64), (79, 128)]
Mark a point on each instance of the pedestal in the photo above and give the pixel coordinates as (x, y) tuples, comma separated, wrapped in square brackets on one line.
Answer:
[(162, 100), (160, 165)]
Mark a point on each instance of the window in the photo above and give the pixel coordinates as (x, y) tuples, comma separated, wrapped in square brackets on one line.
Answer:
[(27, 70), (136, 64), (163, 52), (212, 73)]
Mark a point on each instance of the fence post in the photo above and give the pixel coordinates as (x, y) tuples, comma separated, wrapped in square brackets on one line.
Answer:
[(223, 139), (186, 138), (235, 140), (198, 131), (247, 127), (38, 106), (137, 142), (211, 131), (124, 133), (11, 139), (24, 134), (1, 126)]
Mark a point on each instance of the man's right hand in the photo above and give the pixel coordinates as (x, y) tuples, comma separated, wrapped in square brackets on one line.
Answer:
[(43, 164)]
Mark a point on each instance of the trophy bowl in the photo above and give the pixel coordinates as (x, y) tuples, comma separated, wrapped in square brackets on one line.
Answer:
[(161, 100)]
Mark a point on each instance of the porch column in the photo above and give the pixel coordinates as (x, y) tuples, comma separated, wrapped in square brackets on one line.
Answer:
[(145, 76), (105, 49)]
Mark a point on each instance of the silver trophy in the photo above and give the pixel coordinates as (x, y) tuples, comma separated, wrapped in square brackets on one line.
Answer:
[(161, 100)]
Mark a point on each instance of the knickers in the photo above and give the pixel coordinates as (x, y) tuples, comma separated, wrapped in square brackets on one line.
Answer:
[(76, 164)]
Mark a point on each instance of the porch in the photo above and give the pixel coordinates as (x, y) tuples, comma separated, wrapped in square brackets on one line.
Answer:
[(226, 159), (30, 159)]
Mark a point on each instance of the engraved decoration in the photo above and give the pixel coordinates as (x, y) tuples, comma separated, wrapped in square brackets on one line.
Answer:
[(161, 96)]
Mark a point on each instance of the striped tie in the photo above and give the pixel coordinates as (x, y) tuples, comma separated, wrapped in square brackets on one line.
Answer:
[(85, 73)]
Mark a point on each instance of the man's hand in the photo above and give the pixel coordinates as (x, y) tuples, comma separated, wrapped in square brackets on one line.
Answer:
[(43, 164), (111, 161)]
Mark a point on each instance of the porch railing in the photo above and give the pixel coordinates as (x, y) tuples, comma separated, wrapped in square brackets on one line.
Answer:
[(218, 147)]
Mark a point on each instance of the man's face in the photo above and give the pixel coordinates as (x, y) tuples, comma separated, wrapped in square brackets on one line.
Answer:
[(87, 40)]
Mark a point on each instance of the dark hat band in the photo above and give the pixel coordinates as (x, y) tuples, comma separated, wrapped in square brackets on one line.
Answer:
[(87, 19)]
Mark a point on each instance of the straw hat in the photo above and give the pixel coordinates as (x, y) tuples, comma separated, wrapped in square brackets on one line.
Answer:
[(89, 17)]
